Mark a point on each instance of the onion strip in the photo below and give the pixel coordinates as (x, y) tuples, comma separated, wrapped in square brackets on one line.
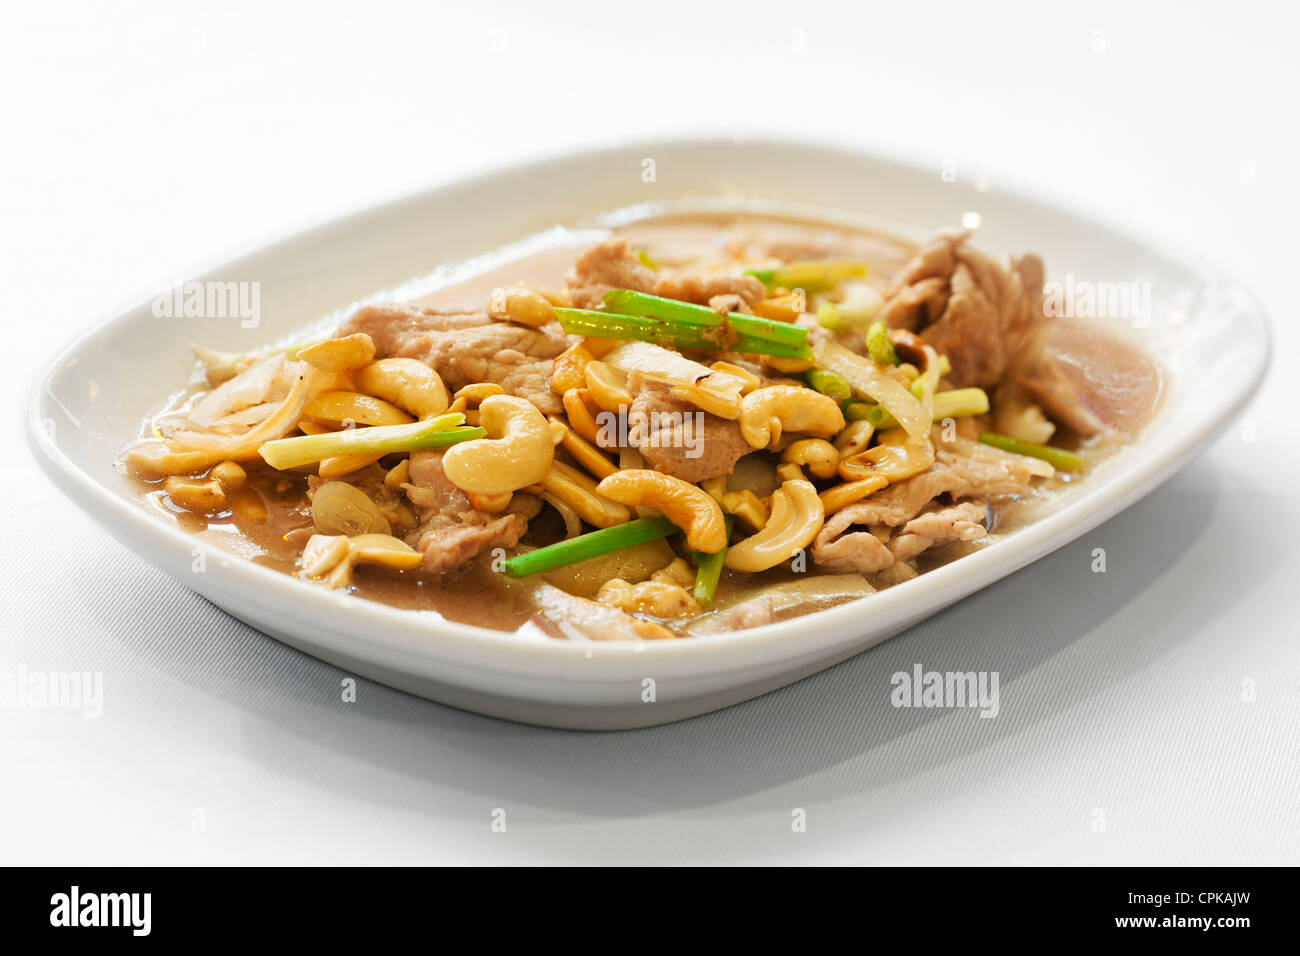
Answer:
[(870, 382)]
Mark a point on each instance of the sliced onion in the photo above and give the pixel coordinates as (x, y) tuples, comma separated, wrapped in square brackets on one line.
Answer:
[(869, 381), (572, 523), (244, 446), (657, 363), (250, 387)]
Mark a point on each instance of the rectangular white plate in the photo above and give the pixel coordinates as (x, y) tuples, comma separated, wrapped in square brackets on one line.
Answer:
[(1210, 335)]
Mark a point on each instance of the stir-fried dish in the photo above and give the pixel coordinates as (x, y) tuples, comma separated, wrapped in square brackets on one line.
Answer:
[(703, 424)]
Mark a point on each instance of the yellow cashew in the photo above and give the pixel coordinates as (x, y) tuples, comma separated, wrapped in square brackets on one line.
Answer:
[(338, 407), (580, 493), (517, 452), (819, 455), (766, 413), (688, 506), (607, 387), (340, 355), (406, 382), (893, 462), (520, 304), (841, 496), (796, 518), (856, 437)]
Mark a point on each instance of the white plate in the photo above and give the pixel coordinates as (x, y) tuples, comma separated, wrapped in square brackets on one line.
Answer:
[(1209, 333)]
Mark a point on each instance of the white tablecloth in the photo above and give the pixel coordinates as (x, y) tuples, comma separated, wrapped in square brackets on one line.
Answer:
[(1148, 714)]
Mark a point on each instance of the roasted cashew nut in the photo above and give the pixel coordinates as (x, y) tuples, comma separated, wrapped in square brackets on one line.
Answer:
[(818, 455), (766, 413), (341, 407), (578, 491), (796, 518), (607, 387), (893, 462), (517, 452), (406, 382), (688, 506)]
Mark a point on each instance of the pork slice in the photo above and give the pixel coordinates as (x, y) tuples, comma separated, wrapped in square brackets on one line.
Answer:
[(677, 438), (453, 532), (394, 327), (965, 521), (701, 289), (867, 552), (985, 471), (613, 265), (839, 549), (984, 315), (899, 503), (609, 265), (518, 358), (464, 345), (563, 615)]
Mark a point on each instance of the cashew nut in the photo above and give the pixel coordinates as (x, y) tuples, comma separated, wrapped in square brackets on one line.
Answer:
[(855, 437), (517, 452), (230, 474), (718, 394), (581, 493), (338, 407), (750, 380), (841, 496), (340, 355), (583, 452), (766, 413), (581, 413), (336, 555), (796, 518), (567, 369), (202, 495), (746, 506), (819, 455), (520, 304), (689, 507), (607, 387), (407, 383), (892, 462)]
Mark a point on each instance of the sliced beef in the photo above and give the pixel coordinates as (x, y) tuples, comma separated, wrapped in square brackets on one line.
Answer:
[(675, 437), (984, 315), (965, 521), (464, 345), (452, 532)]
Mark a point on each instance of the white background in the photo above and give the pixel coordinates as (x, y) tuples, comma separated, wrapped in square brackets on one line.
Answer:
[(140, 140)]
